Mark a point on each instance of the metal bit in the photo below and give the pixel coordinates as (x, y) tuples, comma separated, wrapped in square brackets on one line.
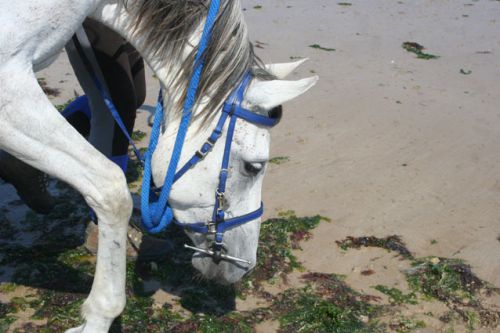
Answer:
[(211, 253)]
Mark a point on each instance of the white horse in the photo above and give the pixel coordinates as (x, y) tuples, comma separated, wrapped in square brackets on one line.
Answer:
[(166, 33)]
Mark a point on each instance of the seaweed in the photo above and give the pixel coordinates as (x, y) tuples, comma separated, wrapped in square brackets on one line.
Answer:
[(444, 279), (62, 310), (54, 92), (6, 318), (134, 171), (418, 50), (396, 296), (278, 238), (279, 160), (404, 324), (138, 135), (319, 47), (390, 243), (326, 304), (59, 265), (452, 282)]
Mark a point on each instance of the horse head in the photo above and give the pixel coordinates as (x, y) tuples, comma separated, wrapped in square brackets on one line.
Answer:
[(192, 197)]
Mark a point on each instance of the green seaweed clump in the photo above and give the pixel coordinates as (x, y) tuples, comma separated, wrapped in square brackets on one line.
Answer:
[(319, 47), (278, 237), (134, 171), (230, 323), (444, 279), (390, 243), (452, 282), (6, 318), (327, 304), (396, 296), (418, 50), (62, 310), (138, 135), (279, 160)]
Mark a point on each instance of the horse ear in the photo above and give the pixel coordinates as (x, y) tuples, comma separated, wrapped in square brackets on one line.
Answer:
[(282, 70), (269, 94)]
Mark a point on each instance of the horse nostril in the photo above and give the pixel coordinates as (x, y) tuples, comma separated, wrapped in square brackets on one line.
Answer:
[(253, 168)]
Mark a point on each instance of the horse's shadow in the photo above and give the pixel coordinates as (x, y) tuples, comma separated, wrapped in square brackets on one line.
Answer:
[(36, 251), (175, 275)]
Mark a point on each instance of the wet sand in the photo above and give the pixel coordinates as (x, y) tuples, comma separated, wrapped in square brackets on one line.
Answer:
[(387, 143)]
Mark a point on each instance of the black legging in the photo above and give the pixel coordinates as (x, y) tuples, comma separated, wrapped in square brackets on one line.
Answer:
[(123, 70)]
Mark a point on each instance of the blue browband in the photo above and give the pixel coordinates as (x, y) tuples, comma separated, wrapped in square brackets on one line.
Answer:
[(231, 110)]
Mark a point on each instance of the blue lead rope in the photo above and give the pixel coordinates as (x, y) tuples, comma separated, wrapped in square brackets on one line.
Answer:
[(114, 112), (157, 215)]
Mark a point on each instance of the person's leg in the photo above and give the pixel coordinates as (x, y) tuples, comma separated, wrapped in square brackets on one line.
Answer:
[(123, 70), (138, 75)]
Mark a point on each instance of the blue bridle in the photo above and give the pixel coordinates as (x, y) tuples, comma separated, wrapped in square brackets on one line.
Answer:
[(156, 211), (231, 111), (219, 224)]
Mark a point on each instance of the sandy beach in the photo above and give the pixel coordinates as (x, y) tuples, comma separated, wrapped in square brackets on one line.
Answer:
[(386, 143)]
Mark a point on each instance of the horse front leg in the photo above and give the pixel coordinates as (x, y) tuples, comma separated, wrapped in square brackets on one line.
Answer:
[(34, 131)]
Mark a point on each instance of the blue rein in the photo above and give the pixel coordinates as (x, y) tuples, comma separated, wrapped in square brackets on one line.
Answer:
[(157, 216)]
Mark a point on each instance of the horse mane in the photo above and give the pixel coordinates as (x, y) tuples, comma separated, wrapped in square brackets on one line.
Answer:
[(167, 25)]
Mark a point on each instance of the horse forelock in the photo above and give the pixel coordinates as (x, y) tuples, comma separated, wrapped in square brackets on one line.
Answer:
[(167, 25)]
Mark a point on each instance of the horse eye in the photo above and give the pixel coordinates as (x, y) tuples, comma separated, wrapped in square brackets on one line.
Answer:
[(254, 169)]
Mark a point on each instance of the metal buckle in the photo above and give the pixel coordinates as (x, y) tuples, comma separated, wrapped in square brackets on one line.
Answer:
[(222, 255), (221, 200), (211, 227), (201, 154)]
